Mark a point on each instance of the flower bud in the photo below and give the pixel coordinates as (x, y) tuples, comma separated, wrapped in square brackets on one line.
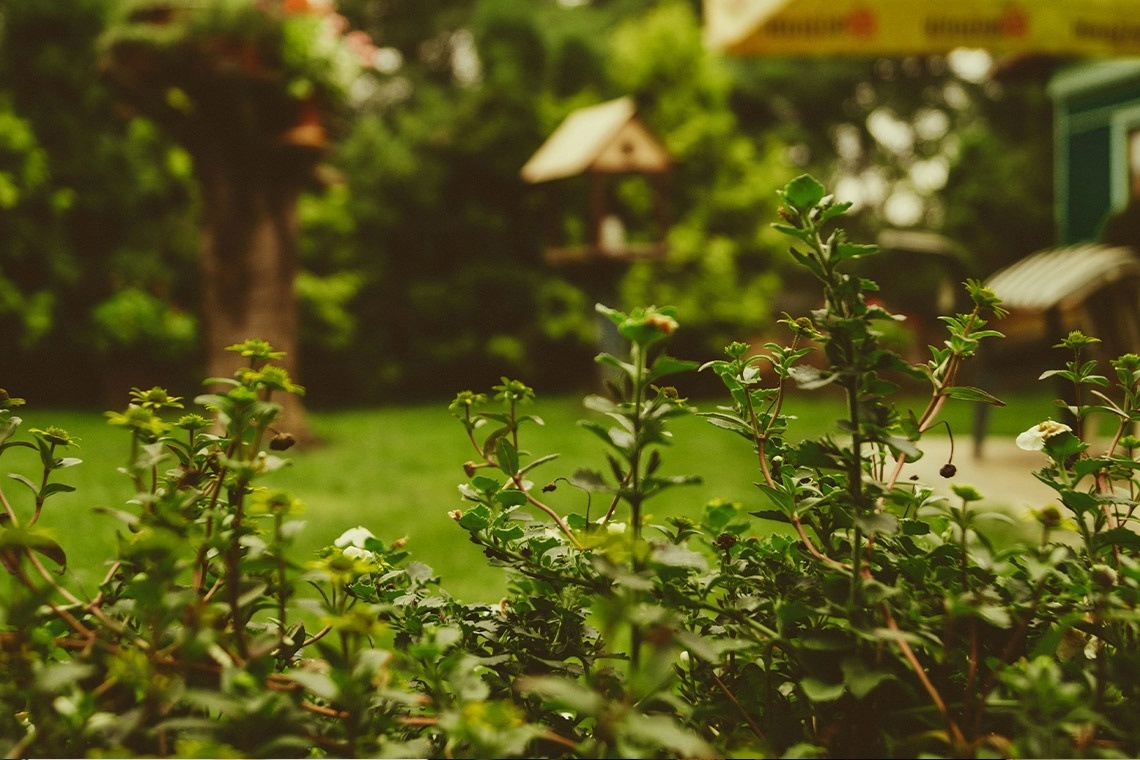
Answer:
[(1049, 517), (1103, 576), (725, 541), (663, 322), (282, 442)]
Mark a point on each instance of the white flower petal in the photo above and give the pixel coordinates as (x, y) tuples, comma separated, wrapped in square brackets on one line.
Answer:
[(1031, 440), (355, 552), (354, 537)]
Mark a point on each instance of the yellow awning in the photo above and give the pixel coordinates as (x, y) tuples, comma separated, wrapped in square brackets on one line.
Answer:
[(913, 27)]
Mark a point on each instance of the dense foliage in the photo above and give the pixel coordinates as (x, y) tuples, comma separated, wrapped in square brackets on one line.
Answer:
[(424, 240), (882, 622)]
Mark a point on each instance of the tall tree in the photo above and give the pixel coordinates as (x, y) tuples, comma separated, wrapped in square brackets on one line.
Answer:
[(252, 90)]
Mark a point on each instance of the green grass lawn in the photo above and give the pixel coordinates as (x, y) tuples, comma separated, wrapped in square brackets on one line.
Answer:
[(395, 470)]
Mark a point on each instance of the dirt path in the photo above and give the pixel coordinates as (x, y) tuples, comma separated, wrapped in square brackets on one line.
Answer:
[(1003, 474)]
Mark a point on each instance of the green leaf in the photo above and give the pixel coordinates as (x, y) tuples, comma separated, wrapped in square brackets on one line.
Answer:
[(809, 378), (252, 594), (969, 393), (781, 499), (511, 497), (1087, 466), (803, 192), (476, 518), (793, 612), (826, 640), (589, 480), (878, 523), (485, 485), (493, 438), (1125, 538), (33, 540), (537, 462), (1064, 445), (771, 514), (51, 488), (915, 527), (55, 677), (21, 479), (667, 365), (629, 370), (844, 251), (678, 556), (860, 679), (597, 403), (821, 691), (315, 683), (817, 455), (833, 210), (1078, 501), (904, 446), (788, 229), (662, 731), (506, 456), (615, 316), (996, 616), (874, 592), (597, 429), (561, 692), (729, 422)]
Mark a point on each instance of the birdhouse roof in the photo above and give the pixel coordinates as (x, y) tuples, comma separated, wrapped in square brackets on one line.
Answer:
[(606, 137)]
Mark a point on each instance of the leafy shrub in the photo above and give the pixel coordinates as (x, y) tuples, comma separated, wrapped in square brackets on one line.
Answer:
[(881, 622)]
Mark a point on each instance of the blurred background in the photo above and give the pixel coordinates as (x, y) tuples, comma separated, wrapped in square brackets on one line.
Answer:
[(386, 139), (417, 197)]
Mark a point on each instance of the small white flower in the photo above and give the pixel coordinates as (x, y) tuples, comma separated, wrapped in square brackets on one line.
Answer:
[(354, 537), (615, 528), (1034, 438), (355, 552)]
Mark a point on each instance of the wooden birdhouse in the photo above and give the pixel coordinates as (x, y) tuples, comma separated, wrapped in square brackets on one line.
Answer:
[(625, 168)]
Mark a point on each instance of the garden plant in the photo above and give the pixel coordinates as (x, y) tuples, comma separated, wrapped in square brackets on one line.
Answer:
[(877, 621)]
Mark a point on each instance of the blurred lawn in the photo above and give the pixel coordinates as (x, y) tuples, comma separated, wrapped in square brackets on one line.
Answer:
[(396, 470)]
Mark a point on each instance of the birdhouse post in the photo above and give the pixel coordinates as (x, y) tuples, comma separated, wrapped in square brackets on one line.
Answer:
[(606, 144)]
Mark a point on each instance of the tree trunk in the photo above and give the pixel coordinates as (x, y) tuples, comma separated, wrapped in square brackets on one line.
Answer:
[(249, 264)]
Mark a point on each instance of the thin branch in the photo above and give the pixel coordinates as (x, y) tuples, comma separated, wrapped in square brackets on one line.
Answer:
[(920, 673), (747, 718), (815, 552), (518, 481)]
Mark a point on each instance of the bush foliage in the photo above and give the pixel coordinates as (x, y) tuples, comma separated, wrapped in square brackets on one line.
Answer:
[(880, 623)]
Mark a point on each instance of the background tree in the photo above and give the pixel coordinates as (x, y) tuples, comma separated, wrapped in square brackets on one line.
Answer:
[(95, 218), (250, 90), (402, 244)]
